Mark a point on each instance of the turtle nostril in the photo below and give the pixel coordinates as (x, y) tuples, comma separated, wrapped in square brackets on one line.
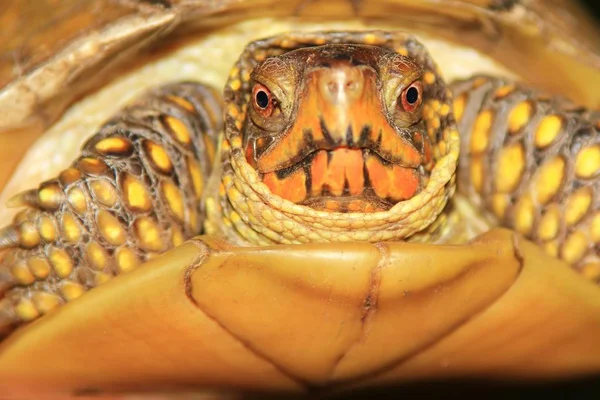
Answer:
[(333, 87)]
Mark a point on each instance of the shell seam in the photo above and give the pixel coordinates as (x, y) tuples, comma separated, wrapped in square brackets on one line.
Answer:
[(197, 263), (370, 302)]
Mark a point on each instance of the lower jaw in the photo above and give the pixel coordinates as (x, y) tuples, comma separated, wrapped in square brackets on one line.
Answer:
[(363, 204), (345, 180)]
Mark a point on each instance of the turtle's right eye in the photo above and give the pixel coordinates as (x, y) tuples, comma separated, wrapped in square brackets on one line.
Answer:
[(264, 103)]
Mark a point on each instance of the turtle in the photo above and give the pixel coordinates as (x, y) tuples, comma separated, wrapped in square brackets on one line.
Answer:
[(342, 215)]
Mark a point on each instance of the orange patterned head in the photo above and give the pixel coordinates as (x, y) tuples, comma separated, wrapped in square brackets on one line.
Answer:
[(339, 127)]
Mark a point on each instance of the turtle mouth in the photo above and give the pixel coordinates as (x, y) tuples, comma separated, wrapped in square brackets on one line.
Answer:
[(344, 179)]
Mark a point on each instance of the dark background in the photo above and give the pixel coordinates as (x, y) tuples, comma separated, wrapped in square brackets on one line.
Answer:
[(593, 6)]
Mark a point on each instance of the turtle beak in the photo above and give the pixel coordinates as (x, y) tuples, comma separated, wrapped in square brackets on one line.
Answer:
[(341, 92), (339, 107)]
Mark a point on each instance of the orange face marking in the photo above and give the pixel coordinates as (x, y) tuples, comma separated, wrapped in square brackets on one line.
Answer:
[(292, 187), (341, 107), (392, 182)]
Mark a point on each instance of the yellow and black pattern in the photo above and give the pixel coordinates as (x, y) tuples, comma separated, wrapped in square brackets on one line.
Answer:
[(134, 192), (533, 161)]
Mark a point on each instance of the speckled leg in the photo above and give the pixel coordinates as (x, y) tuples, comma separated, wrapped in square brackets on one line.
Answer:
[(134, 192), (534, 163)]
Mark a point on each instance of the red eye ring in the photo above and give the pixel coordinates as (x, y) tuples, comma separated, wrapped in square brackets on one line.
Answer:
[(262, 100), (411, 97)]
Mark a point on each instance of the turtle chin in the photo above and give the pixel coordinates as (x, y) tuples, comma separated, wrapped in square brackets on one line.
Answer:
[(346, 180)]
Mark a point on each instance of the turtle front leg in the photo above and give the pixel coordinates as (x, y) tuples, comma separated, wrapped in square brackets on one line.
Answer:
[(134, 192), (533, 161)]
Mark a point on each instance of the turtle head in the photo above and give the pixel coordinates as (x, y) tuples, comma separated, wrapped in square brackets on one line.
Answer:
[(339, 127), (333, 136)]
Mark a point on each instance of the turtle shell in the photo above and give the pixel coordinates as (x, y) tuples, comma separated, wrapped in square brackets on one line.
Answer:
[(207, 315)]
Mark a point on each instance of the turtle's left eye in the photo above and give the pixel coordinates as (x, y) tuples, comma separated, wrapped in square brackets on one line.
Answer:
[(411, 97), (263, 100)]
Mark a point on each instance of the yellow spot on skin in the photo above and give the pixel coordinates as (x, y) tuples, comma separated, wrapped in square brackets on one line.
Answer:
[(29, 236), (595, 228), (233, 110), (500, 203), (46, 302), (196, 175), (173, 197), (235, 84), (234, 72), (126, 259), (481, 132), (503, 91), (183, 103), (135, 194), (577, 205), (21, 273), (50, 197), (477, 82), (96, 255), (574, 247), (429, 77), (70, 228), (519, 116), (370, 38), (511, 163), (92, 166), (591, 271), (101, 277), (587, 163), (236, 142), (39, 267), (548, 179), (104, 192), (71, 290), (69, 176), (477, 173), (62, 263), (444, 110), (403, 51), (287, 44), (25, 310), (110, 228), (176, 237), (225, 145), (114, 146), (77, 199), (524, 215), (179, 129), (547, 131), (549, 224), (148, 234), (260, 55), (551, 248), (158, 156)]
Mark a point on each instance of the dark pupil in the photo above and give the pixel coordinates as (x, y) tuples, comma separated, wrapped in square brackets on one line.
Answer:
[(262, 99), (412, 95)]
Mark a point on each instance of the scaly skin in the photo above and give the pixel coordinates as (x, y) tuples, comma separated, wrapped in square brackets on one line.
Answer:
[(509, 167)]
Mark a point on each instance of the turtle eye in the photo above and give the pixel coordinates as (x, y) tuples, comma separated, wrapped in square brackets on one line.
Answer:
[(411, 97), (263, 100)]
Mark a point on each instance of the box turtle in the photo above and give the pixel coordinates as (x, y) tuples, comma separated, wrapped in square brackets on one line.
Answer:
[(382, 193)]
